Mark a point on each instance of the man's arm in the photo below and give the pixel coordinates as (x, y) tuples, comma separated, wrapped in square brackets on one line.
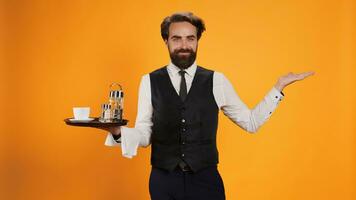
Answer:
[(234, 108), (237, 111)]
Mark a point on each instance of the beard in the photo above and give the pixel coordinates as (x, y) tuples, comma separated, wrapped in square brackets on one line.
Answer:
[(183, 61)]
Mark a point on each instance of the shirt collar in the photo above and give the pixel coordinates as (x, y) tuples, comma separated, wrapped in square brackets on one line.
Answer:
[(175, 70)]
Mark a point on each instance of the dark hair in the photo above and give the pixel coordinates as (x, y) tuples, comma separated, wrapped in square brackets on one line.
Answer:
[(182, 17)]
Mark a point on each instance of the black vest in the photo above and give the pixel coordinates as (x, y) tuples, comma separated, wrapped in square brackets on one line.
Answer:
[(183, 130)]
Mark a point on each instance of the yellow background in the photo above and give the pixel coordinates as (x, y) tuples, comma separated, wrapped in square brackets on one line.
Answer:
[(60, 54)]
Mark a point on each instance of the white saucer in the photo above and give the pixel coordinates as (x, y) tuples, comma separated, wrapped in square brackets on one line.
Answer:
[(81, 120)]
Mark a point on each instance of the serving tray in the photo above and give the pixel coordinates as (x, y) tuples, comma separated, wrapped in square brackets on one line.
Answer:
[(95, 123)]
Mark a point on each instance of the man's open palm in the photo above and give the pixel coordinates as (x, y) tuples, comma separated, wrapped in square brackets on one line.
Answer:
[(291, 78)]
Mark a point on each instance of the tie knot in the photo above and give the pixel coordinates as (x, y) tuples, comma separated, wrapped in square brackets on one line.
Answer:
[(182, 72)]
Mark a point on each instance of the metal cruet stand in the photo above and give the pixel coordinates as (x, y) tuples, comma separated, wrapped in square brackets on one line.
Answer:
[(116, 102)]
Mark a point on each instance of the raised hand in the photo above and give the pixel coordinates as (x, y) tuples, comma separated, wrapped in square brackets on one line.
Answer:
[(285, 80)]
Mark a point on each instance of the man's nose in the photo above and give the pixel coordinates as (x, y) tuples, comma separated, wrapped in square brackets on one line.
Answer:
[(184, 44)]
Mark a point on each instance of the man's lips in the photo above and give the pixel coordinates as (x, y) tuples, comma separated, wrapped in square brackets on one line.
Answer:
[(184, 53)]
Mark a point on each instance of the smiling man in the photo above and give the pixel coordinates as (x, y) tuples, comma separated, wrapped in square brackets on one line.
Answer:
[(178, 109)]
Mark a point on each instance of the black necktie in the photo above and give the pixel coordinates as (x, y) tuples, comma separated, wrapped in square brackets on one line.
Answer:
[(183, 94), (183, 86)]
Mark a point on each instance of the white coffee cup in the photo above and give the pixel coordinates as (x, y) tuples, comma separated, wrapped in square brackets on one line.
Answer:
[(81, 113)]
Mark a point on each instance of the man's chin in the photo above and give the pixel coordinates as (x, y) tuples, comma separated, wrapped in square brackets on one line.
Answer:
[(183, 61), (184, 65), (184, 58)]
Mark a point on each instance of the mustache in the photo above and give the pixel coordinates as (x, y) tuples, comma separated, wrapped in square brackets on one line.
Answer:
[(183, 51)]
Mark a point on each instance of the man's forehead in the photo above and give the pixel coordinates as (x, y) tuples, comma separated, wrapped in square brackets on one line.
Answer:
[(182, 29)]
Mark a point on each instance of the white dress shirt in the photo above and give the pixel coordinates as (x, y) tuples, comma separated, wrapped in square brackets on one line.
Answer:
[(225, 96)]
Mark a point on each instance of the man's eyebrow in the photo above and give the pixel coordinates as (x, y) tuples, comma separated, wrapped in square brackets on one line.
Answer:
[(176, 36), (189, 36)]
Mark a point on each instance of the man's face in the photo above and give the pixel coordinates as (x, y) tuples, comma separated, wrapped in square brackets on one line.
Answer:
[(182, 44)]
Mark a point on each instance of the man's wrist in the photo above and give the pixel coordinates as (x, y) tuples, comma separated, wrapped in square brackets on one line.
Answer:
[(279, 87), (116, 137)]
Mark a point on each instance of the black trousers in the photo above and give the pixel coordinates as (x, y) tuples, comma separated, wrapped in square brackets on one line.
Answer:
[(205, 184)]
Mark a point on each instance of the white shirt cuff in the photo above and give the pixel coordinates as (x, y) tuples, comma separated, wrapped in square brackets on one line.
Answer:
[(276, 95)]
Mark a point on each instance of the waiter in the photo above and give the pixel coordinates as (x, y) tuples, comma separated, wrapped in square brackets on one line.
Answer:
[(178, 109)]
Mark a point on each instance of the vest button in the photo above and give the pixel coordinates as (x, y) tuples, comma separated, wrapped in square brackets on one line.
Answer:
[(183, 120), (183, 142), (182, 154), (183, 129)]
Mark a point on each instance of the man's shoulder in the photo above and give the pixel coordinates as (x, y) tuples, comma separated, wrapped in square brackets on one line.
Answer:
[(158, 71), (209, 71), (218, 77)]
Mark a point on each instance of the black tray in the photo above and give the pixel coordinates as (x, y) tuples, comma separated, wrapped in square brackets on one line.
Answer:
[(95, 123)]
